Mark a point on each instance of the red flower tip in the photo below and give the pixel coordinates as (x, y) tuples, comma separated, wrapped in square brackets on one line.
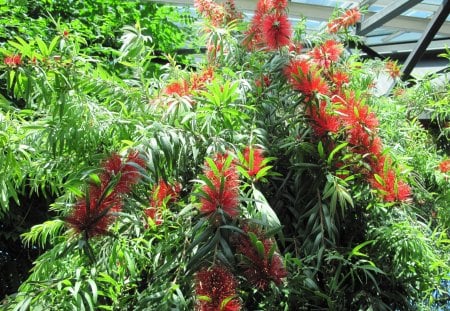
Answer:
[(94, 221), (180, 88), (13, 61), (323, 121), (128, 170), (444, 166), (216, 290), (347, 19), (253, 160), (327, 53), (222, 191), (260, 269), (350, 17), (393, 69), (277, 31)]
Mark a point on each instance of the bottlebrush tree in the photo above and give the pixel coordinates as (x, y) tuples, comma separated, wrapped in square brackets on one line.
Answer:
[(259, 181)]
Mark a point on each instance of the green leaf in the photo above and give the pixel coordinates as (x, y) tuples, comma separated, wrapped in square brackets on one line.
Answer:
[(265, 209)]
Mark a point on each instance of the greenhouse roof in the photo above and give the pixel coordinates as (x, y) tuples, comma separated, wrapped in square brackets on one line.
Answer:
[(403, 29)]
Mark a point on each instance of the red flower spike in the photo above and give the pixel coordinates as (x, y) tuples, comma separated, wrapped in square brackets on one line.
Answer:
[(162, 193), (223, 191), (95, 220), (13, 61), (180, 88), (327, 53), (129, 172), (253, 164), (277, 31), (444, 166), (339, 78), (323, 122), (350, 17), (260, 269), (216, 289)]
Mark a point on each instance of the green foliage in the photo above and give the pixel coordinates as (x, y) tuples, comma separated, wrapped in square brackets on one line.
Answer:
[(78, 97)]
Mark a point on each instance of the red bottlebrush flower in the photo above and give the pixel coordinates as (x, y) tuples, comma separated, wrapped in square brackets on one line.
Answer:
[(391, 188), (128, 171), (376, 147), (296, 70), (393, 69), (216, 290), (327, 53), (222, 191), (334, 25), (180, 88), (276, 30), (339, 78), (162, 193), (313, 84), (444, 166), (199, 81), (305, 78), (95, 219), (211, 10), (323, 122), (353, 111), (279, 5), (260, 268), (253, 160), (13, 61), (350, 17)]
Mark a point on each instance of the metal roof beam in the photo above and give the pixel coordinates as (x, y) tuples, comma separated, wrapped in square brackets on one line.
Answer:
[(323, 13), (427, 37), (385, 15)]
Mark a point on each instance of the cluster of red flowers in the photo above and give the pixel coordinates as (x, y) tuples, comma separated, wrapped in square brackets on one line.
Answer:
[(92, 214), (221, 191), (218, 14), (444, 166), (345, 112), (162, 193), (260, 267), (270, 27), (349, 18), (216, 290), (197, 81), (13, 61)]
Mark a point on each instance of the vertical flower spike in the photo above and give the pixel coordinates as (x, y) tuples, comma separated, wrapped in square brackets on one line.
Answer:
[(349, 18), (162, 193), (277, 31), (93, 220), (94, 213), (327, 53), (216, 290), (254, 160), (270, 27), (323, 121), (261, 264), (306, 78), (221, 191), (127, 172)]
